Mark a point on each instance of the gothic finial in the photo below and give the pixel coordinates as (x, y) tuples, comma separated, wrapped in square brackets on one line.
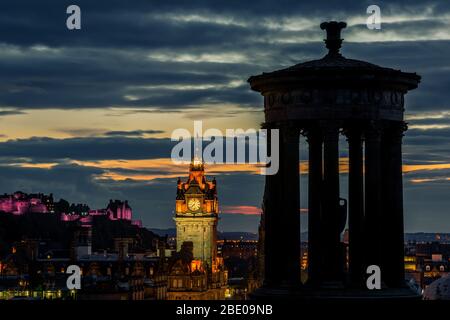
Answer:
[(333, 40)]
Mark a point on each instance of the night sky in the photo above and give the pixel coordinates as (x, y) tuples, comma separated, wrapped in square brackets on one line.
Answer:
[(87, 115)]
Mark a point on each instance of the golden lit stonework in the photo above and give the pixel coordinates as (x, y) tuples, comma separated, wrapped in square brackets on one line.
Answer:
[(197, 211), (196, 272)]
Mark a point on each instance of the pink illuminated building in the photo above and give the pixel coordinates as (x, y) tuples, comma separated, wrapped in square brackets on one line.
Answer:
[(20, 203), (137, 223), (119, 210), (116, 210), (98, 212), (69, 217)]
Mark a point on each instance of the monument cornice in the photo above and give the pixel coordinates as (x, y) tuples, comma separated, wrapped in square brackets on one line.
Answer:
[(334, 78)]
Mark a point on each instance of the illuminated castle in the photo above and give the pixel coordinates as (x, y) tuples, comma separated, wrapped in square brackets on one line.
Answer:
[(196, 272), (116, 210), (20, 203)]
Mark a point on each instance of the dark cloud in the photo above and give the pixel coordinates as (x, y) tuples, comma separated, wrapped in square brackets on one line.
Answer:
[(81, 132), (427, 146), (444, 121), (113, 145), (132, 133), (72, 182), (134, 50), (10, 112), (426, 206), (44, 148)]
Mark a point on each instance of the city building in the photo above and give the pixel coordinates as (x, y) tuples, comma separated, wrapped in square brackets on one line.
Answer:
[(243, 249), (196, 272), (36, 270), (426, 262), (20, 203), (241, 261), (115, 210), (196, 213)]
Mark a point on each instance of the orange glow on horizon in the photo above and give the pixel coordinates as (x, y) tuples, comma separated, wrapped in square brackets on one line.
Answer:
[(245, 210), (429, 179), (164, 168), (425, 167), (48, 165), (170, 169), (249, 210)]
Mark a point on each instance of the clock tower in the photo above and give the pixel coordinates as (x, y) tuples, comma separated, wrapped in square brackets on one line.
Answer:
[(196, 214)]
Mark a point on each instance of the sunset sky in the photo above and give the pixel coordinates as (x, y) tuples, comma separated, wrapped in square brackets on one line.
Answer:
[(87, 115)]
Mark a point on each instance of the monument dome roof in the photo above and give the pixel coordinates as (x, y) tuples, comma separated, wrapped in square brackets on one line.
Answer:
[(334, 67), (335, 61)]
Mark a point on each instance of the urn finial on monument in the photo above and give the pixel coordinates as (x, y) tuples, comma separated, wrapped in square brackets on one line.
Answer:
[(333, 40)]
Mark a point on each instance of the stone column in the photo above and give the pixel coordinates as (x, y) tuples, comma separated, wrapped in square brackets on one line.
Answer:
[(372, 221), (332, 267), (282, 216), (392, 197), (315, 250), (356, 205)]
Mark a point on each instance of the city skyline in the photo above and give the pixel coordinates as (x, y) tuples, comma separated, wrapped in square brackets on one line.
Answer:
[(87, 115)]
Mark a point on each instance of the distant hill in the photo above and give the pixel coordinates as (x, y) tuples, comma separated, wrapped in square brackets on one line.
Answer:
[(233, 235), (416, 236), (427, 237), (170, 232), (237, 236)]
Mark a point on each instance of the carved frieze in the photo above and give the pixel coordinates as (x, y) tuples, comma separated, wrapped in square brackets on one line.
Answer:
[(305, 97), (321, 103)]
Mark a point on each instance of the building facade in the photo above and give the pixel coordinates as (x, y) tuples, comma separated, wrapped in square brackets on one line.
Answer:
[(196, 272), (115, 210), (196, 214), (20, 203)]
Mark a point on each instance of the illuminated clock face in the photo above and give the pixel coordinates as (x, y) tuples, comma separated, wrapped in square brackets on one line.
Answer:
[(194, 204)]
